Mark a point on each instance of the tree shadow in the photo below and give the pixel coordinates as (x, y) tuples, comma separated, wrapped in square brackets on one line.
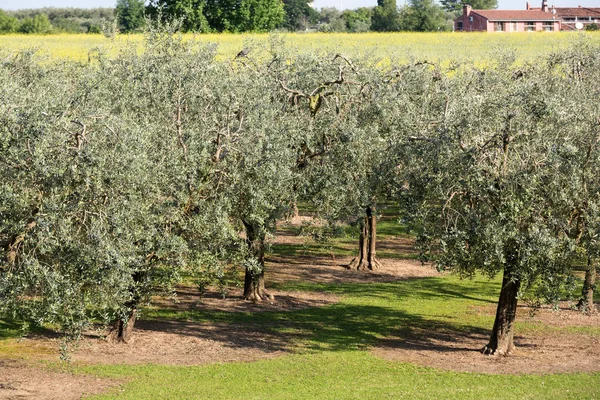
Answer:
[(336, 327)]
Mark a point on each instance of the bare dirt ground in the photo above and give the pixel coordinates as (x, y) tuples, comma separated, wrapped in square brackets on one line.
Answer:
[(553, 350), (195, 343), (21, 380)]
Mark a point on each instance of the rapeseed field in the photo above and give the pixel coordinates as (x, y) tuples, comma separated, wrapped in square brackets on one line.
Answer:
[(435, 47)]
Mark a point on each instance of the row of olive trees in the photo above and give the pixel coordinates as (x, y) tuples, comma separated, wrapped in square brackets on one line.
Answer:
[(122, 175)]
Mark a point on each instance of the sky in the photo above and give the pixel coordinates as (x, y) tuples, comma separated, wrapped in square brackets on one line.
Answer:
[(503, 4)]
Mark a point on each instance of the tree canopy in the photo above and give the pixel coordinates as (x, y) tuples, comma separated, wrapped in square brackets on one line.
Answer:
[(123, 174)]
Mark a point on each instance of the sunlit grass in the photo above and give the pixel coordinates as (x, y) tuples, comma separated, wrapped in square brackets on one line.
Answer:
[(340, 375)]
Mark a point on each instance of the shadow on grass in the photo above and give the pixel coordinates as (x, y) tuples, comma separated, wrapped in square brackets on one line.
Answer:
[(339, 327), (9, 329), (367, 315)]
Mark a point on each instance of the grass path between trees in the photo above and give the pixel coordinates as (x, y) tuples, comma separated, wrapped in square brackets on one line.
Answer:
[(330, 358)]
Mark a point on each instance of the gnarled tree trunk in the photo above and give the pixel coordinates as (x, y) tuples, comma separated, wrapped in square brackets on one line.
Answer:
[(122, 330), (586, 303), (367, 243), (254, 281), (501, 340)]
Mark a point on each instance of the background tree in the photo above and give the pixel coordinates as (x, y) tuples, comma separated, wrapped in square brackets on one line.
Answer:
[(244, 15), (36, 24), (73, 20), (592, 27), (358, 20), (386, 17), (130, 14), (298, 14), (190, 11), (8, 24), (330, 20), (423, 16)]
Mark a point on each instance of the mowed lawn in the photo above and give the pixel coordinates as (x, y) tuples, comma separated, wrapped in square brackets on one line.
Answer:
[(401, 47), (330, 355)]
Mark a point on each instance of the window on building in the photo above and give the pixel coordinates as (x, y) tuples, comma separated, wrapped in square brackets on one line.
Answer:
[(548, 26), (529, 26), (499, 26), (459, 26), (513, 26)]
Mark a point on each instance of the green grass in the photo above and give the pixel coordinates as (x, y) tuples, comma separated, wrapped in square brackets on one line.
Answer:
[(9, 329), (328, 356), (340, 375)]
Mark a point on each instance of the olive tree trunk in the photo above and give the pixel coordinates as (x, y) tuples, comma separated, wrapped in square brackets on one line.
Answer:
[(367, 243), (122, 330), (586, 303), (501, 340), (254, 279)]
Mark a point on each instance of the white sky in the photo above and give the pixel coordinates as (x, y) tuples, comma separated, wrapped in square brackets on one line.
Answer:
[(503, 4)]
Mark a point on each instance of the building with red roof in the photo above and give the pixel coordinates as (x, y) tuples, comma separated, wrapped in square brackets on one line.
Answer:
[(507, 20), (572, 18)]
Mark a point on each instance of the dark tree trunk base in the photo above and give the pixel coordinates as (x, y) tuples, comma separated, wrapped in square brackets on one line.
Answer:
[(257, 297), (254, 281), (367, 259), (122, 331), (586, 303), (501, 340), (363, 265)]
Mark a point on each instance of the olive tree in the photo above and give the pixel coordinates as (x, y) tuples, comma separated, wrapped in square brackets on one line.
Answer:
[(339, 152), (478, 179), (575, 70), (81, 234), (108, 190)]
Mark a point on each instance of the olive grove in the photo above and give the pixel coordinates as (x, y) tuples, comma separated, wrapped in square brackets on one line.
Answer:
[(123, 175)]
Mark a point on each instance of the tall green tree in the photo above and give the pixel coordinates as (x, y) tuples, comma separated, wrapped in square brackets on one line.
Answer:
[(298, 14), (36, 24), (423, 16), (358, 20), (386, 17), (130, 14), (191, 12), (244, 15), (8, 24)]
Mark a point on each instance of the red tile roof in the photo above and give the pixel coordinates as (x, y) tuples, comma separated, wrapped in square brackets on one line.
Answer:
[(579, 12), (515, 15)]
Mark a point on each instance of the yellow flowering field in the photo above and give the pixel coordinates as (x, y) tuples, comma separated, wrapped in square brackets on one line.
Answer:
[(438, 47)]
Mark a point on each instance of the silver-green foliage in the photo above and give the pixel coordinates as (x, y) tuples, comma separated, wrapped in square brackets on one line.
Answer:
[(499, 167), (123, 174)]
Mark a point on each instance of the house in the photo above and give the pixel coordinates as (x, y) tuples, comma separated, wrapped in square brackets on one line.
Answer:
[(507, 20), (572, 18)]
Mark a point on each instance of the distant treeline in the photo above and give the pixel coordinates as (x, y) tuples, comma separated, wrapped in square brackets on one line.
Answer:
[(236, 16), (56, 20)]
